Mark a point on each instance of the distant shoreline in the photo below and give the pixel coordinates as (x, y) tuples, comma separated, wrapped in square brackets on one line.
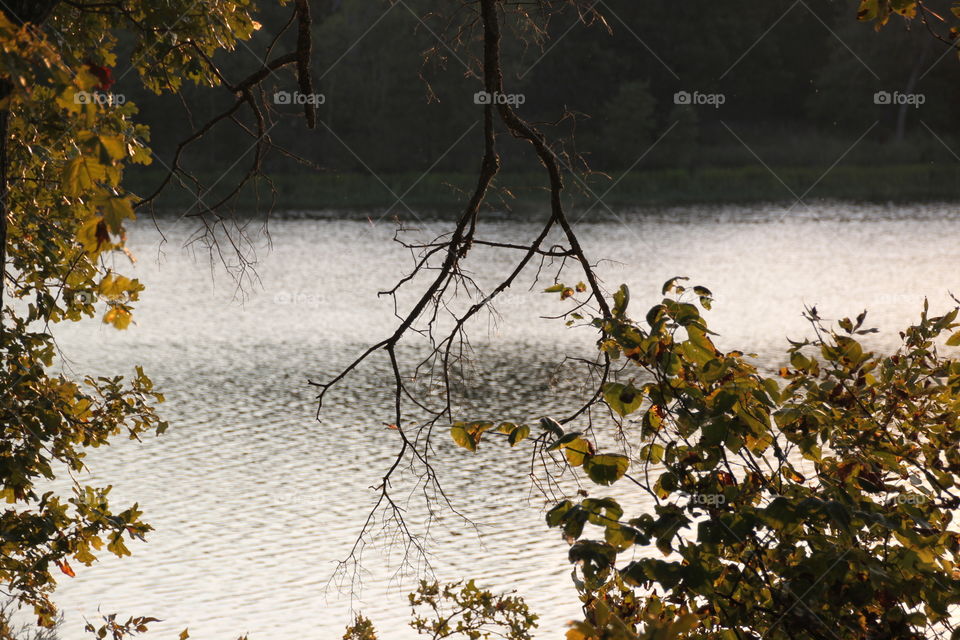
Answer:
[(522, 193)]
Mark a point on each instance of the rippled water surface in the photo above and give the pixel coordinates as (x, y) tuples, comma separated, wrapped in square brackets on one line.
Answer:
[(254, 501)]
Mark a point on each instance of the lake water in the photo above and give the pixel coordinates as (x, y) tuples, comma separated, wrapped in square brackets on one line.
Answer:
[(254, 501)]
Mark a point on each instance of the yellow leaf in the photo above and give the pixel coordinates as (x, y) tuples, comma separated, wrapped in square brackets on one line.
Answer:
[(139, 154), (114, 147), (184, 634), (81, 410), (581, 631), (577, 451), (118, 317), (117, 547), (115, 211), (80, 174), (85, 79), (83, 555), (93, 236), (115, 287)]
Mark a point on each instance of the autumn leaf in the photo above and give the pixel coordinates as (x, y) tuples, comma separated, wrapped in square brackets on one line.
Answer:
[(119, 317), (103, 74), (66, 568), (115, 211)]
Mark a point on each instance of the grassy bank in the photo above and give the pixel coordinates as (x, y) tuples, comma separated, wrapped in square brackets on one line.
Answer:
[(896, 183)]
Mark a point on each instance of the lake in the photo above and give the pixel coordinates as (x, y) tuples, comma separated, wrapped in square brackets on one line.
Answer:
[(254, 501)]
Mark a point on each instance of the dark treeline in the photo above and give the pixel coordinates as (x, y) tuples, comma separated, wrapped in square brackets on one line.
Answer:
[(789, 85)]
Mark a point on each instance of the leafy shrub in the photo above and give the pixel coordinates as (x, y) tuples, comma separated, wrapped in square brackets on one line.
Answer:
[(810, 505), (459, 610)]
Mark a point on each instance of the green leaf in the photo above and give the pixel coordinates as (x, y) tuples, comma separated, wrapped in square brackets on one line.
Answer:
[(685, 314), (671, 284), (606, 469), (838, 513), (598, 554), (573, 523), (621, 537), (518, 434), (699, 337), (779, 514), (624, 399), (463, 438), (621, 300), (772, 387), (652, 453), (564, 441), (556, 514), (602, 511), (954, 340), (655, 315), (869, 10), (506, 428)]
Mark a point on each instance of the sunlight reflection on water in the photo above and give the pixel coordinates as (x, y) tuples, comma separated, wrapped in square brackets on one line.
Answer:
[(254, 501)]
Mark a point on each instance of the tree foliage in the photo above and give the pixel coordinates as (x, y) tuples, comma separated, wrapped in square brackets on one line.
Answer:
[(459, 610), (66, 137), (783, 507)]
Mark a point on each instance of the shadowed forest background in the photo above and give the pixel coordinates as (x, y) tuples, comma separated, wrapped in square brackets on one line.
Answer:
[(798, 79)]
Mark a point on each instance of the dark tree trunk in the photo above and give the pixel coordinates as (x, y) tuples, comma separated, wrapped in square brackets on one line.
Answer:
[(20, 12), (911, 85), (5, 89)]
